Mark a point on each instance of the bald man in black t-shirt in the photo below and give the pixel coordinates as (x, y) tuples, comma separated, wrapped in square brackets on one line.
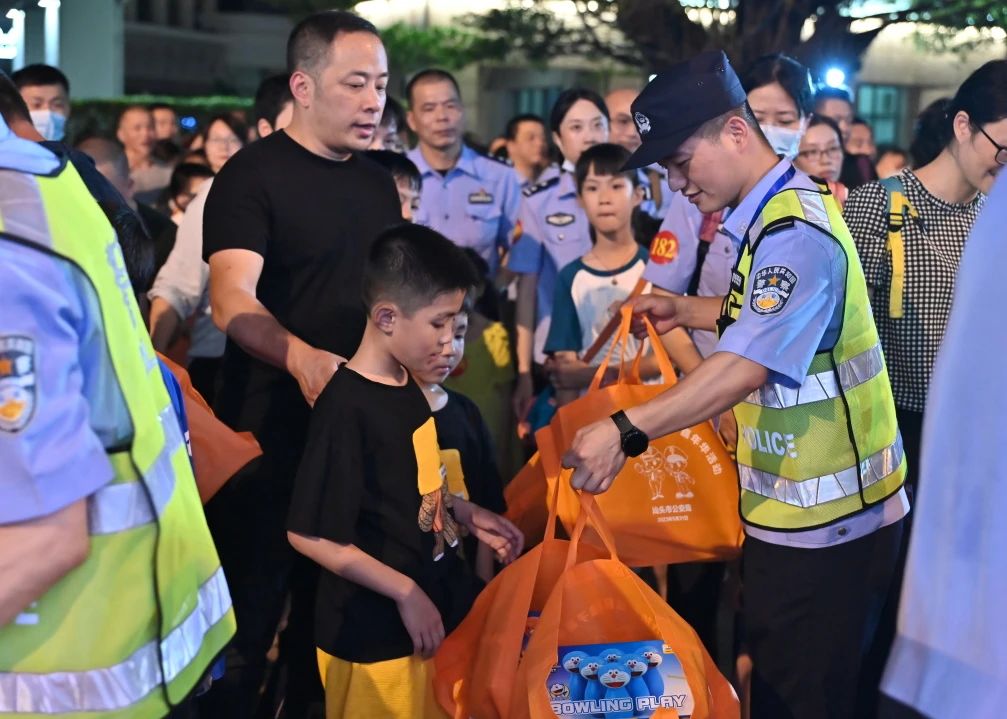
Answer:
[(287, 227)]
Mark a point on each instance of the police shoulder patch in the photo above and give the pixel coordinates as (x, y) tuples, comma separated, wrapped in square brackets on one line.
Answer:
[(540, 186), (772, 288), (17, 382)]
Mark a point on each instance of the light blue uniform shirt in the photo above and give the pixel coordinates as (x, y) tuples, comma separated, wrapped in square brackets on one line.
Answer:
[(680, 231), (656, 207), (787, 340), (553, 232), (60, 404), (547, 174), (475, 204)]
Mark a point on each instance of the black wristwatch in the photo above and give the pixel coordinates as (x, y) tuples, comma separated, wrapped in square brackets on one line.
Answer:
[(634, 441)]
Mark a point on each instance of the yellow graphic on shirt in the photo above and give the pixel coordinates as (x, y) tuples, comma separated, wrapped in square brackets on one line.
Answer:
[(452, 461), (433, 488)]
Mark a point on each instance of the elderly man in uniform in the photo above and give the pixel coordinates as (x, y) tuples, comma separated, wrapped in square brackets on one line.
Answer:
[(820, 456)]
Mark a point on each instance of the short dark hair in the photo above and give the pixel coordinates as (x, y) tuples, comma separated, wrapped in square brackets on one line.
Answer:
[(569, 98), (784, 70), (39, 74), (983, 97), (309, 41), (513, 124), (130, 108), (235, 125), (861, 121), (431, 74), (161, 106), (184, 172), (827, 92), (273, 94), (167, 151), (892, 150), (400, 166), (411, 265), (605, 159), (12, 105), (817, 119), (713, 127), (393, 111)]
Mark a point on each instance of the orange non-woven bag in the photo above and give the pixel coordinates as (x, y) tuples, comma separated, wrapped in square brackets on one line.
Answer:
[(475, 667), (607, 646), (678, 501), (525, 496), (218, 452)]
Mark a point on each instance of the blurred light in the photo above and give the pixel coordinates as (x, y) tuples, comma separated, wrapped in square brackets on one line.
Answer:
[(188, 122), (834, 77), (8, 52), (48, 3), (651, 78)]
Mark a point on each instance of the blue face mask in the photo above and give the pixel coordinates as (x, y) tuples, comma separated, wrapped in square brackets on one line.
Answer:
[(784, 140), (49, 124)]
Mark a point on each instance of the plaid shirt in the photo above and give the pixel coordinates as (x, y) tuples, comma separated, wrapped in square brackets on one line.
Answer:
[(933, 248)]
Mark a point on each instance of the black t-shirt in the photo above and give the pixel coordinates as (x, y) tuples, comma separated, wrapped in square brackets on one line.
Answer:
[(460, 427), (370, 449), (313, 221)]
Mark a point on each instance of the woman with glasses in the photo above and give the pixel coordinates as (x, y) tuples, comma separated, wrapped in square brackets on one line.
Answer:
[(910, 231), (821, 154)]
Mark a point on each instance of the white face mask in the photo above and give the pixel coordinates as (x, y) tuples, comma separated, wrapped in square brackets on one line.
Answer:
[(784, 140), (49, 124)]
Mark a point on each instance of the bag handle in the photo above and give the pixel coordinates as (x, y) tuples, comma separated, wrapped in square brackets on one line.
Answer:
[(589, 511), (621, 337)]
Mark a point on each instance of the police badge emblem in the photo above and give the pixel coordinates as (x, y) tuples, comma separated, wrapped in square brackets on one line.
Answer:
[(772, 288), (642, 123), (17, 382)]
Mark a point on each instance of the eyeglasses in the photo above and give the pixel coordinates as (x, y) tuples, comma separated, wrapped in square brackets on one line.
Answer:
[(224, 141), (1001, 156), (816, 154)]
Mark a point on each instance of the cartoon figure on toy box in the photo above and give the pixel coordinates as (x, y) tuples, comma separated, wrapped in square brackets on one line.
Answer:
[(623, 681)]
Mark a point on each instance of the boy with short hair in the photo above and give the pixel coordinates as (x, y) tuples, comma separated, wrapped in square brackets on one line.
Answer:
[(408, 180), (370, 503), (590, 288)]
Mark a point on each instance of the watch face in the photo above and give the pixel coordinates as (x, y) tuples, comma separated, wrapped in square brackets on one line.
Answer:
[(634, 443)]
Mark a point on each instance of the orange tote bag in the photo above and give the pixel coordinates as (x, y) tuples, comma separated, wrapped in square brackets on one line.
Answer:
[(608, 646), (475, 667), (678, 501)]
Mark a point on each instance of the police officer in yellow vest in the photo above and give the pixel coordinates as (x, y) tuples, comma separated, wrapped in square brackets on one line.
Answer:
[(820, 457), (112, 600)]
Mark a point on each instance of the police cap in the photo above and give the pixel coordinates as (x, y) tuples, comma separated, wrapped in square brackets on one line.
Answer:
[(679, 100)]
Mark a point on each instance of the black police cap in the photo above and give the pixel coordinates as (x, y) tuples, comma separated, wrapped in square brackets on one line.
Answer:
[(679, 100)]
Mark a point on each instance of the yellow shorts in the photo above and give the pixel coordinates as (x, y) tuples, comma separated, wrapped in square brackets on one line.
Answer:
[(394, 689)]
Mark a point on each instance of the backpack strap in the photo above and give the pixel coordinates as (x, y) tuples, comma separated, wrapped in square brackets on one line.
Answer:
[(899, 210), (707, 232)]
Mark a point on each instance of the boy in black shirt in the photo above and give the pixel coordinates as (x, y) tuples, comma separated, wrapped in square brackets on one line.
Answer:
[(466, 447), (370, 502)]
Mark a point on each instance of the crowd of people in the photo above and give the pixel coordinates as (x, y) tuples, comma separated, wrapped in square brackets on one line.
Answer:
[(372, 358)]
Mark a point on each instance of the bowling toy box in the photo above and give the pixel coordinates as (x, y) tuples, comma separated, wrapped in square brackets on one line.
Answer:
[(630, 680)]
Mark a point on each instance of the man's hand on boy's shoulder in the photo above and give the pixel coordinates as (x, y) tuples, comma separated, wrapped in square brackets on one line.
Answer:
[(422, 621), (312, 368), (496, 532)]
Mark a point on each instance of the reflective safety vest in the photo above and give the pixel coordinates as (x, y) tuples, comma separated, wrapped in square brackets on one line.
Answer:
[(131, 631), (827, 450)]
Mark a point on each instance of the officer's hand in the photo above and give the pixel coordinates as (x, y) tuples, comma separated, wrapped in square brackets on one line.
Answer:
[(313, 368), (595, 456), (665, 312)]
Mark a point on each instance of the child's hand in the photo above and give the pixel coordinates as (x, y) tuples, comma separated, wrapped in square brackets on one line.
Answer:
[(422, 620), (496, 532), (567, 373)]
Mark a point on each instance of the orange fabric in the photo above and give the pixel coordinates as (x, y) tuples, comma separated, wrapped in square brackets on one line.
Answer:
[(476, 665), (218, 452), (601, 602), (677, 502), (526, 501)]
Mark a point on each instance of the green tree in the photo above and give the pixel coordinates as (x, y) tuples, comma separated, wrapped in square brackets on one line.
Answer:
[(652, 34)]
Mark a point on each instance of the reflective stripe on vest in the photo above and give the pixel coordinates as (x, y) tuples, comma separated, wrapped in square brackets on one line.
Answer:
[(821, 386), (818, 490), (126, 683), (131, 631), (125, 505)]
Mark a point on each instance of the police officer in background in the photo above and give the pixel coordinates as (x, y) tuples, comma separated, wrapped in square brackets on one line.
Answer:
[(656, 198), (552, 232), (820, 456), (467, 197), (112, 600)]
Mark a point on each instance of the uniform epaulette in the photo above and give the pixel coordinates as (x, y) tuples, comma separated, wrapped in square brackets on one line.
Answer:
[(501, 160), (539, 187)]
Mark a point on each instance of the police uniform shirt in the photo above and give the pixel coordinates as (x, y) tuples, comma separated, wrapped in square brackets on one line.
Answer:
[(60, 405), (474, 204), (552, 232), (657, 196), (673, 255), (785, 337), (546, 175)]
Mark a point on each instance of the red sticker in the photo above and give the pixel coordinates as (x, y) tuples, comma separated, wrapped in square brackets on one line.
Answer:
[(664, 248)]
